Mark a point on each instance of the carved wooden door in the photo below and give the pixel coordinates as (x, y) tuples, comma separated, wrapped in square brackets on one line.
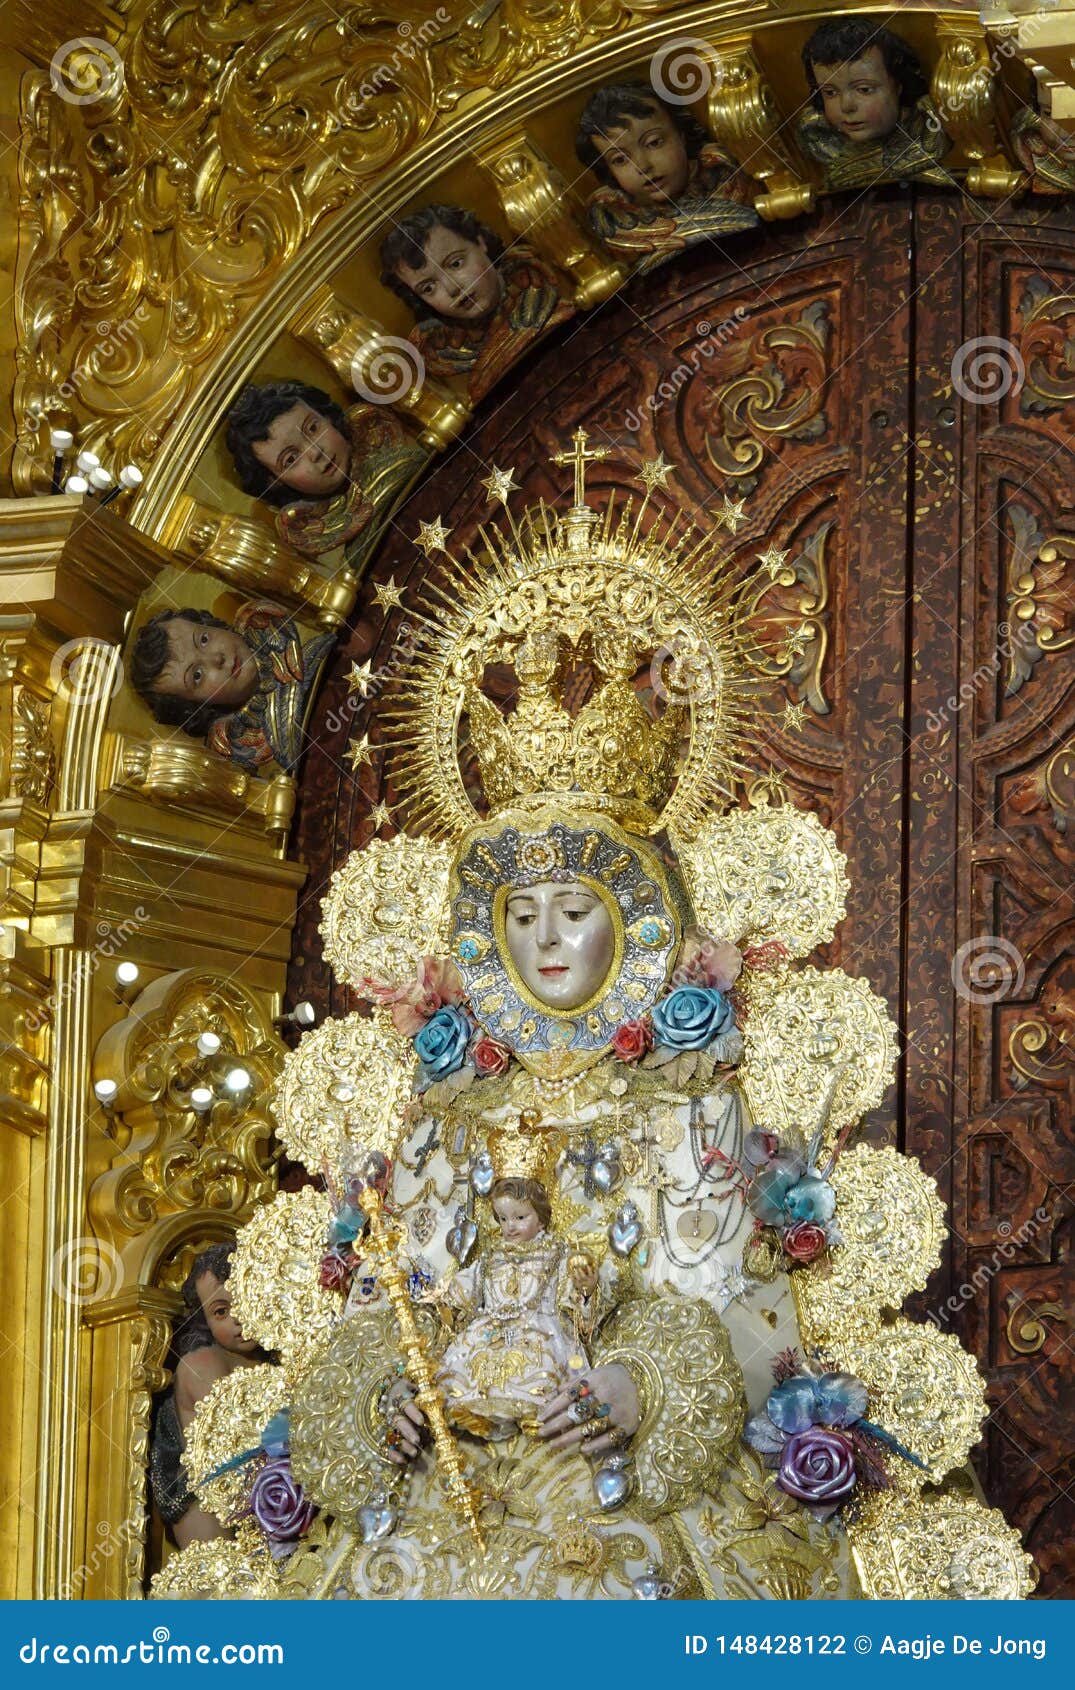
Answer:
[(830, 377)]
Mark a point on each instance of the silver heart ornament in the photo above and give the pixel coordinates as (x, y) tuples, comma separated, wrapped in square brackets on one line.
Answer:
[(626, 1230), (482, 1175), (375, 1521)]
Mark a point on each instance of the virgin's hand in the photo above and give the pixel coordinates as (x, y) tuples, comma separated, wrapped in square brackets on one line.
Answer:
[(612, 1385), (408, 1422)]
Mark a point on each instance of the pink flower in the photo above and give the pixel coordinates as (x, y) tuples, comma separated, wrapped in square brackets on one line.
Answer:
[(335, 1271), (632, 1040), (490, 1057), (705, 961), (805, 1242), (438, 986)]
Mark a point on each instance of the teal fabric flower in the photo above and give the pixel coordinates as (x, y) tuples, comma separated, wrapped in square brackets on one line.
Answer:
[(783, 1193), (691, 1017), (442, 1043)]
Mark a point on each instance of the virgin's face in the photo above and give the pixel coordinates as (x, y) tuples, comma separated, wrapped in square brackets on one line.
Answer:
[(561, 940)]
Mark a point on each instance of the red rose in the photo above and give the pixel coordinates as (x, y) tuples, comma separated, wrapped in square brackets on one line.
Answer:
[(805, 1242), (335, 1271), (490, 1057), (632, 1040)]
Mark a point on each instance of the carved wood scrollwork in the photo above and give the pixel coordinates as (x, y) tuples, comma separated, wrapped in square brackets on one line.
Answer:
[(779, 395)]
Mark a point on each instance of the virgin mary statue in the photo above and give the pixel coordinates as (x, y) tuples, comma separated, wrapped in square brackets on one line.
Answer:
[(592, 1293)]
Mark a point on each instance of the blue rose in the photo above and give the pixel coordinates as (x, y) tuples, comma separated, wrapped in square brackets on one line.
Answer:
[(812, 1199), (834, 1399), (691, 1017), (783, 1193), (442, 1043)]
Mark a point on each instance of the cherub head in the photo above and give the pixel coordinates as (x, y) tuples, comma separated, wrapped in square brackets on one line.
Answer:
[(289, 441), (860, 76), (442, 262), (207, 1297), (190, 668), (521, 1208), (632, 139)]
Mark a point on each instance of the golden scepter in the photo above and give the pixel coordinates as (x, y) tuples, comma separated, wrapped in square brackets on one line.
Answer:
[(461, 1492)]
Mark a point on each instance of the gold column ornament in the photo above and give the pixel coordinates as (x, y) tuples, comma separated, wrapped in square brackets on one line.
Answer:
[(383, 369), (964, 92), (745, 119), (540, 206), (247, 554), (419, 1368)]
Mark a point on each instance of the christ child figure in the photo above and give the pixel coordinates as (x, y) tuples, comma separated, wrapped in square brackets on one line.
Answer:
[(529, 1301), (871, 118), (665, 184), (478, 306)]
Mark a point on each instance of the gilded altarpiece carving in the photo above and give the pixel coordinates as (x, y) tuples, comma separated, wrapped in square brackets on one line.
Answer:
[(876, 517)]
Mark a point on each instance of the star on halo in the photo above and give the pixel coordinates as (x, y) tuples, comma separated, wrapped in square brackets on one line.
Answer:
[(431, 536), (655, 472), (358, 753), (388, 595), (361, 679), (772, 560), (792, 718), (499, 484), (380, 816), (732, 513)]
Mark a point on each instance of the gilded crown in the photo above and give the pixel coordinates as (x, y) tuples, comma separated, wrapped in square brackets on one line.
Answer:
[(612, 757), (614, 590), (524, 1150)]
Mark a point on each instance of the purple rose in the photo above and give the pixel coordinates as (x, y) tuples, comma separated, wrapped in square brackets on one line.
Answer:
[(818, 1468), (278, 1504)]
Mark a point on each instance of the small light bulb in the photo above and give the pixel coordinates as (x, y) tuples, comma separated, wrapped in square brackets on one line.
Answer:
[(127, 973), (200, 1098), (237, 1079), (130, 477), (208, 1044), (100, 480), (87, 461), (105, 1090), (61, 440), (304, 1014), (76, 484)]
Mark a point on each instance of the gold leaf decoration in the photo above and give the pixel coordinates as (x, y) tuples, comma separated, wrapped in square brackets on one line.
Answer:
[(891, 1222), (385, 909), (228, 1421), (221, 1569), (762, 874), (277, 1296), (347, 1083), (925, 1389), (940, 1548), (806, 1029)]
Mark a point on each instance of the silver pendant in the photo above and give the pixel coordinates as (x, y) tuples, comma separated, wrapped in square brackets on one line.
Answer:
[(626, 1229), (650, 1587), (612, 1484), (606, 1171), (462, 1238), (376, 1520), (482, 1176)]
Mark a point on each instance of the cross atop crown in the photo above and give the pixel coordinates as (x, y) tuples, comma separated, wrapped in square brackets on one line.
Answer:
[(580, 457)]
